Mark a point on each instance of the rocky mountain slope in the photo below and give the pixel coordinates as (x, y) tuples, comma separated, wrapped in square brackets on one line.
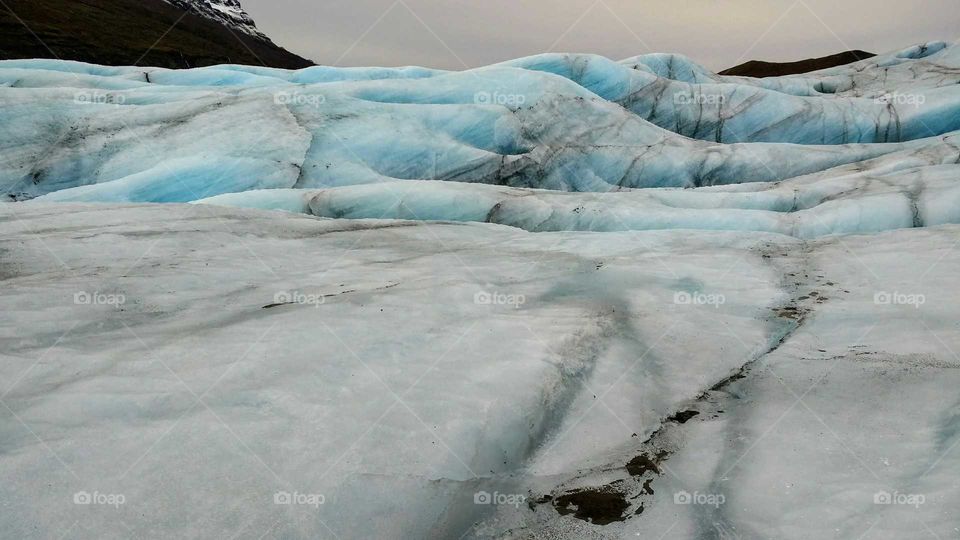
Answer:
[(178, 34), (227, 12)]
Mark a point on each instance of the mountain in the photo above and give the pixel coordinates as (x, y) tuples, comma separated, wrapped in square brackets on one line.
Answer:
[(227, 12), (174, 34), (759, 68)]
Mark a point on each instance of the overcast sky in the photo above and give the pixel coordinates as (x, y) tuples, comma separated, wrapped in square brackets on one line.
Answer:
[(455, 34)]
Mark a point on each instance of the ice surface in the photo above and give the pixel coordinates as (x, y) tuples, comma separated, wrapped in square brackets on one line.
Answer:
[(581, 287), (399, 397)]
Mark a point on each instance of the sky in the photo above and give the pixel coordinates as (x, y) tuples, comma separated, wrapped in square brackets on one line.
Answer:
[(458, 34)]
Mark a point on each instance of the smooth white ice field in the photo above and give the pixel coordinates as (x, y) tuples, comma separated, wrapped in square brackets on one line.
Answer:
[(557, 297)]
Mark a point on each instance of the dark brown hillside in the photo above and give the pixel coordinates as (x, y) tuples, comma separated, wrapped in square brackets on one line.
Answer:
[(127, 32), (757, 68)]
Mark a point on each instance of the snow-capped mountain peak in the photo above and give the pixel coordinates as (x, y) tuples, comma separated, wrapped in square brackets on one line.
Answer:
[(227, 12)]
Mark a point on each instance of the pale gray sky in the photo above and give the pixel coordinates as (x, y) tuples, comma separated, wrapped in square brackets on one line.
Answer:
[(718, 33)]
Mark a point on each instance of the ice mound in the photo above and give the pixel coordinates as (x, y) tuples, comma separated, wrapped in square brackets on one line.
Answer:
[(916, 190), (557, 122)]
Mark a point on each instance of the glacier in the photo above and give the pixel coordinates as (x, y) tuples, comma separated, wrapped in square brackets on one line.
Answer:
[(563, 296), (558, 122)]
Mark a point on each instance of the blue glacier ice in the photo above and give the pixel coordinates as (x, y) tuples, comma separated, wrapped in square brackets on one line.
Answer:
[(535, 126), (560, 122)]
